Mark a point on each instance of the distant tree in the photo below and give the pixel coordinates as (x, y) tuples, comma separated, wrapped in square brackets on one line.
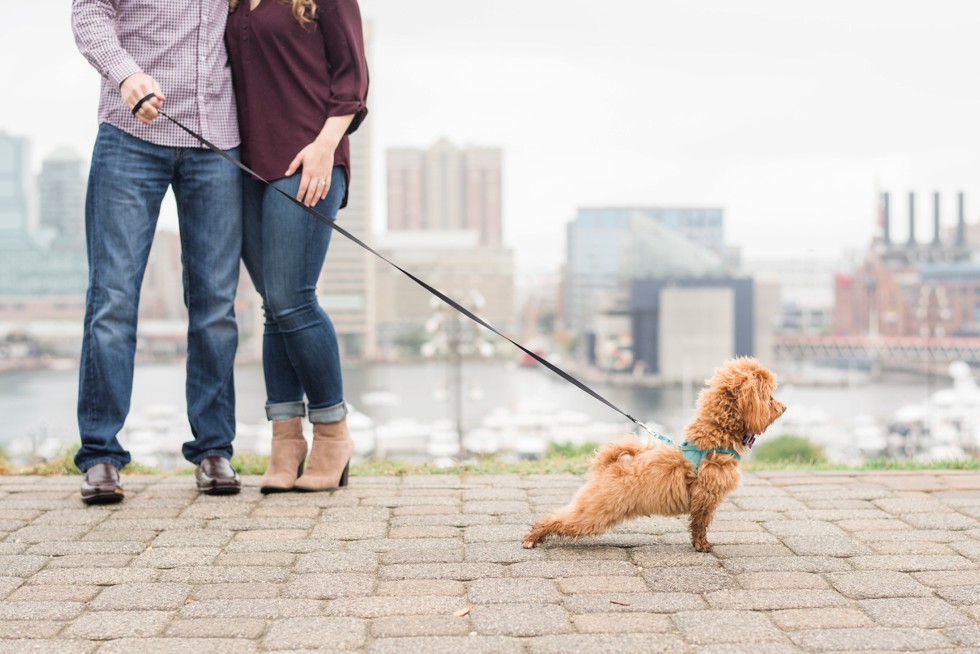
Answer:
[(788, 448)]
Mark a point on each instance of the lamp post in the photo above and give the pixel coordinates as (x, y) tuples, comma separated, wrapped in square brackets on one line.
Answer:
[(453, 335)]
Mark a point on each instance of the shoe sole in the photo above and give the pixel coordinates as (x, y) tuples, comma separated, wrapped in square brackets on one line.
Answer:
[(104, 498), (220, 491)]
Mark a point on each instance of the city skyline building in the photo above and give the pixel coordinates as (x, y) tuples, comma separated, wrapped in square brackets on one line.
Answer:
[(61, 197), (608, 247), (15, 190), (446, 188)]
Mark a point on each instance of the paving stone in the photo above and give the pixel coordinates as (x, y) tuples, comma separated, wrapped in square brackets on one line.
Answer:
[(961, 595), (921, 535), (110, 625), (94, 576), (910, 563), (224, 575), (421, 588), (787, 564), (513, 591), (877, 584), (520, 620), (707, 627), (68, 549), (761, 600), (554, 569), (32, 629), (750, 648), (401, 626), (236, 591), (241, 628), (689, 580), (55, 593), (337, 562), (602, 585), (45, 647), (590, 553), (496, 508), (89, 561), (968, 636), (940, 520), (941, 579), (450, 552), (270, 535), (494, 553), (810, 528), (47, 533), (448, 645), (147, 597), (850, 640), (767, 550), (442, 520), (378, 607), (458, 571), (631, 623), (256, 559), (22, 565), (427, 531), (329, 586), (824, 618), (252, 608), (970, 549), (925, 612), (837, 546), (178, 645), (635, 602), (780, 580), (193, 538), (44, 610), (167, 558), (890, 547), (607, 644), (509, 533)]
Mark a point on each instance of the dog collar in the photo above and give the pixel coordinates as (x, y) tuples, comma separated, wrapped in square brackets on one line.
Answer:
[(695, 455)]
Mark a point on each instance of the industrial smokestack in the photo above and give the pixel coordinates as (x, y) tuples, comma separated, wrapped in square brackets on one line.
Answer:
[(911, 218), (935, 218), (885, 233), (961, 223)]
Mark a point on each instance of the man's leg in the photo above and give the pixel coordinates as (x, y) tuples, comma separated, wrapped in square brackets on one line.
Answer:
[(127, 181), (209, 206)]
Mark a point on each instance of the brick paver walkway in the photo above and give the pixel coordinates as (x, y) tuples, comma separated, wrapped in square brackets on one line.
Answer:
[(813, 562)]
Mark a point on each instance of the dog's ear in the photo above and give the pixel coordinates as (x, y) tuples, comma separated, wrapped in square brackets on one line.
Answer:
[(753, 399)]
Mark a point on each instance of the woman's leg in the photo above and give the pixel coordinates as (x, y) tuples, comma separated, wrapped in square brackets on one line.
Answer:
[(284, 393), (294, 245)]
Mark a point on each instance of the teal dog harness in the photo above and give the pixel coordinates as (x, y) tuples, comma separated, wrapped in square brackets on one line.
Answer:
[(695, 455)]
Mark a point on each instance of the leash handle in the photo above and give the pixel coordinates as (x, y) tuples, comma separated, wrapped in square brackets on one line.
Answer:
[(136, 107), (434, 291)]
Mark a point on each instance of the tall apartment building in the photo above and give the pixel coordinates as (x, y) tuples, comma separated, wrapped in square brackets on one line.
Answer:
[(446, 188), (14, 189), (61, 190), (346, 285)]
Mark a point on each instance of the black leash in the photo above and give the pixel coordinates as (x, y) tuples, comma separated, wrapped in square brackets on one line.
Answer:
[(439, 294)]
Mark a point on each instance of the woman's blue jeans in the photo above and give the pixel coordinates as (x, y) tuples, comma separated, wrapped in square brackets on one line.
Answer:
[(127, 182), (284, 248)]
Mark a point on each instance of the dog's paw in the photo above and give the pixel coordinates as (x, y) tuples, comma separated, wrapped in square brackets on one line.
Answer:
[(529, 543), (702, 546)]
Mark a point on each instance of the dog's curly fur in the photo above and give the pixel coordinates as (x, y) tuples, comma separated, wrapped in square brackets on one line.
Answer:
[(630, 479)]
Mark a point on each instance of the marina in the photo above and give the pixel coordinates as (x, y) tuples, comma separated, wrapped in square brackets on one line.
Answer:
[(406, 412)]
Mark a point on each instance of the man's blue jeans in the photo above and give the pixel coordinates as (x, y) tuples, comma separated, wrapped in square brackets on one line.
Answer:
[(283, 249), (127, 182)]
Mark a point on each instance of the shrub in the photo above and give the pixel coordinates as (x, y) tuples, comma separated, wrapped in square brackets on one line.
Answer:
[(788, 449)]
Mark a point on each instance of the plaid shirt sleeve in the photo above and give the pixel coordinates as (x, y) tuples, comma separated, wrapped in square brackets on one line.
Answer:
[(180, 44), (95, 35)]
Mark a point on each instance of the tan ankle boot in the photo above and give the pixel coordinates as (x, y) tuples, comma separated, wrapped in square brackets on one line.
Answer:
[(329, 458), (287, 457)]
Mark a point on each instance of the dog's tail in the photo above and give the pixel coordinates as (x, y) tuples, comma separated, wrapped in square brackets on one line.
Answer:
[(613, 452)]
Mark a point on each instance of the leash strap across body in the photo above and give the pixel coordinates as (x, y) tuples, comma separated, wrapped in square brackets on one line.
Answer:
[(431, 289)]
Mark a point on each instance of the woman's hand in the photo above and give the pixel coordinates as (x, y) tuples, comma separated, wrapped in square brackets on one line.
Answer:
[(316, 160)]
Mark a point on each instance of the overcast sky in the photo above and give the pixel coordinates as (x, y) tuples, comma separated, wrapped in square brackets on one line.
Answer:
[(787, 114)]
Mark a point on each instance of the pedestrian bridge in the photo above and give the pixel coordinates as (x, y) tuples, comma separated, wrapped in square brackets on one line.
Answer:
[(886, 349)]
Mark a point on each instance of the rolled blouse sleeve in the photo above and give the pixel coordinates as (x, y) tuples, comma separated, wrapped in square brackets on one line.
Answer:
[(344, 41)]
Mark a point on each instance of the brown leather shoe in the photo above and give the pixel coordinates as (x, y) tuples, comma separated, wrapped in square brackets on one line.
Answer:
[(101, 485), (215, 476)]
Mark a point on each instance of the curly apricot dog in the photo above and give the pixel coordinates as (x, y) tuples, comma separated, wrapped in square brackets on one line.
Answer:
[(630, 479)]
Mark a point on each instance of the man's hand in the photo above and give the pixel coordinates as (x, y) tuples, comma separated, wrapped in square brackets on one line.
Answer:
[(136, 87)]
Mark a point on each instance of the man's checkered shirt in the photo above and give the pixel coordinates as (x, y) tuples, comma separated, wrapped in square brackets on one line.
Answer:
[(180, 43)]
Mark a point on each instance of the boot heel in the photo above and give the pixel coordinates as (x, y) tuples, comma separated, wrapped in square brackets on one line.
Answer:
[(343, 476)]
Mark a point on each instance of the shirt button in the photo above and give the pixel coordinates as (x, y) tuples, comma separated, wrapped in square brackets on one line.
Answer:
[(204, 19)]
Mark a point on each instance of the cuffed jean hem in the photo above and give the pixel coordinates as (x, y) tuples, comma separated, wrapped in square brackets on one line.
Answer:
[(285, 410), (115, 463), (328, 414), (222, 453)]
